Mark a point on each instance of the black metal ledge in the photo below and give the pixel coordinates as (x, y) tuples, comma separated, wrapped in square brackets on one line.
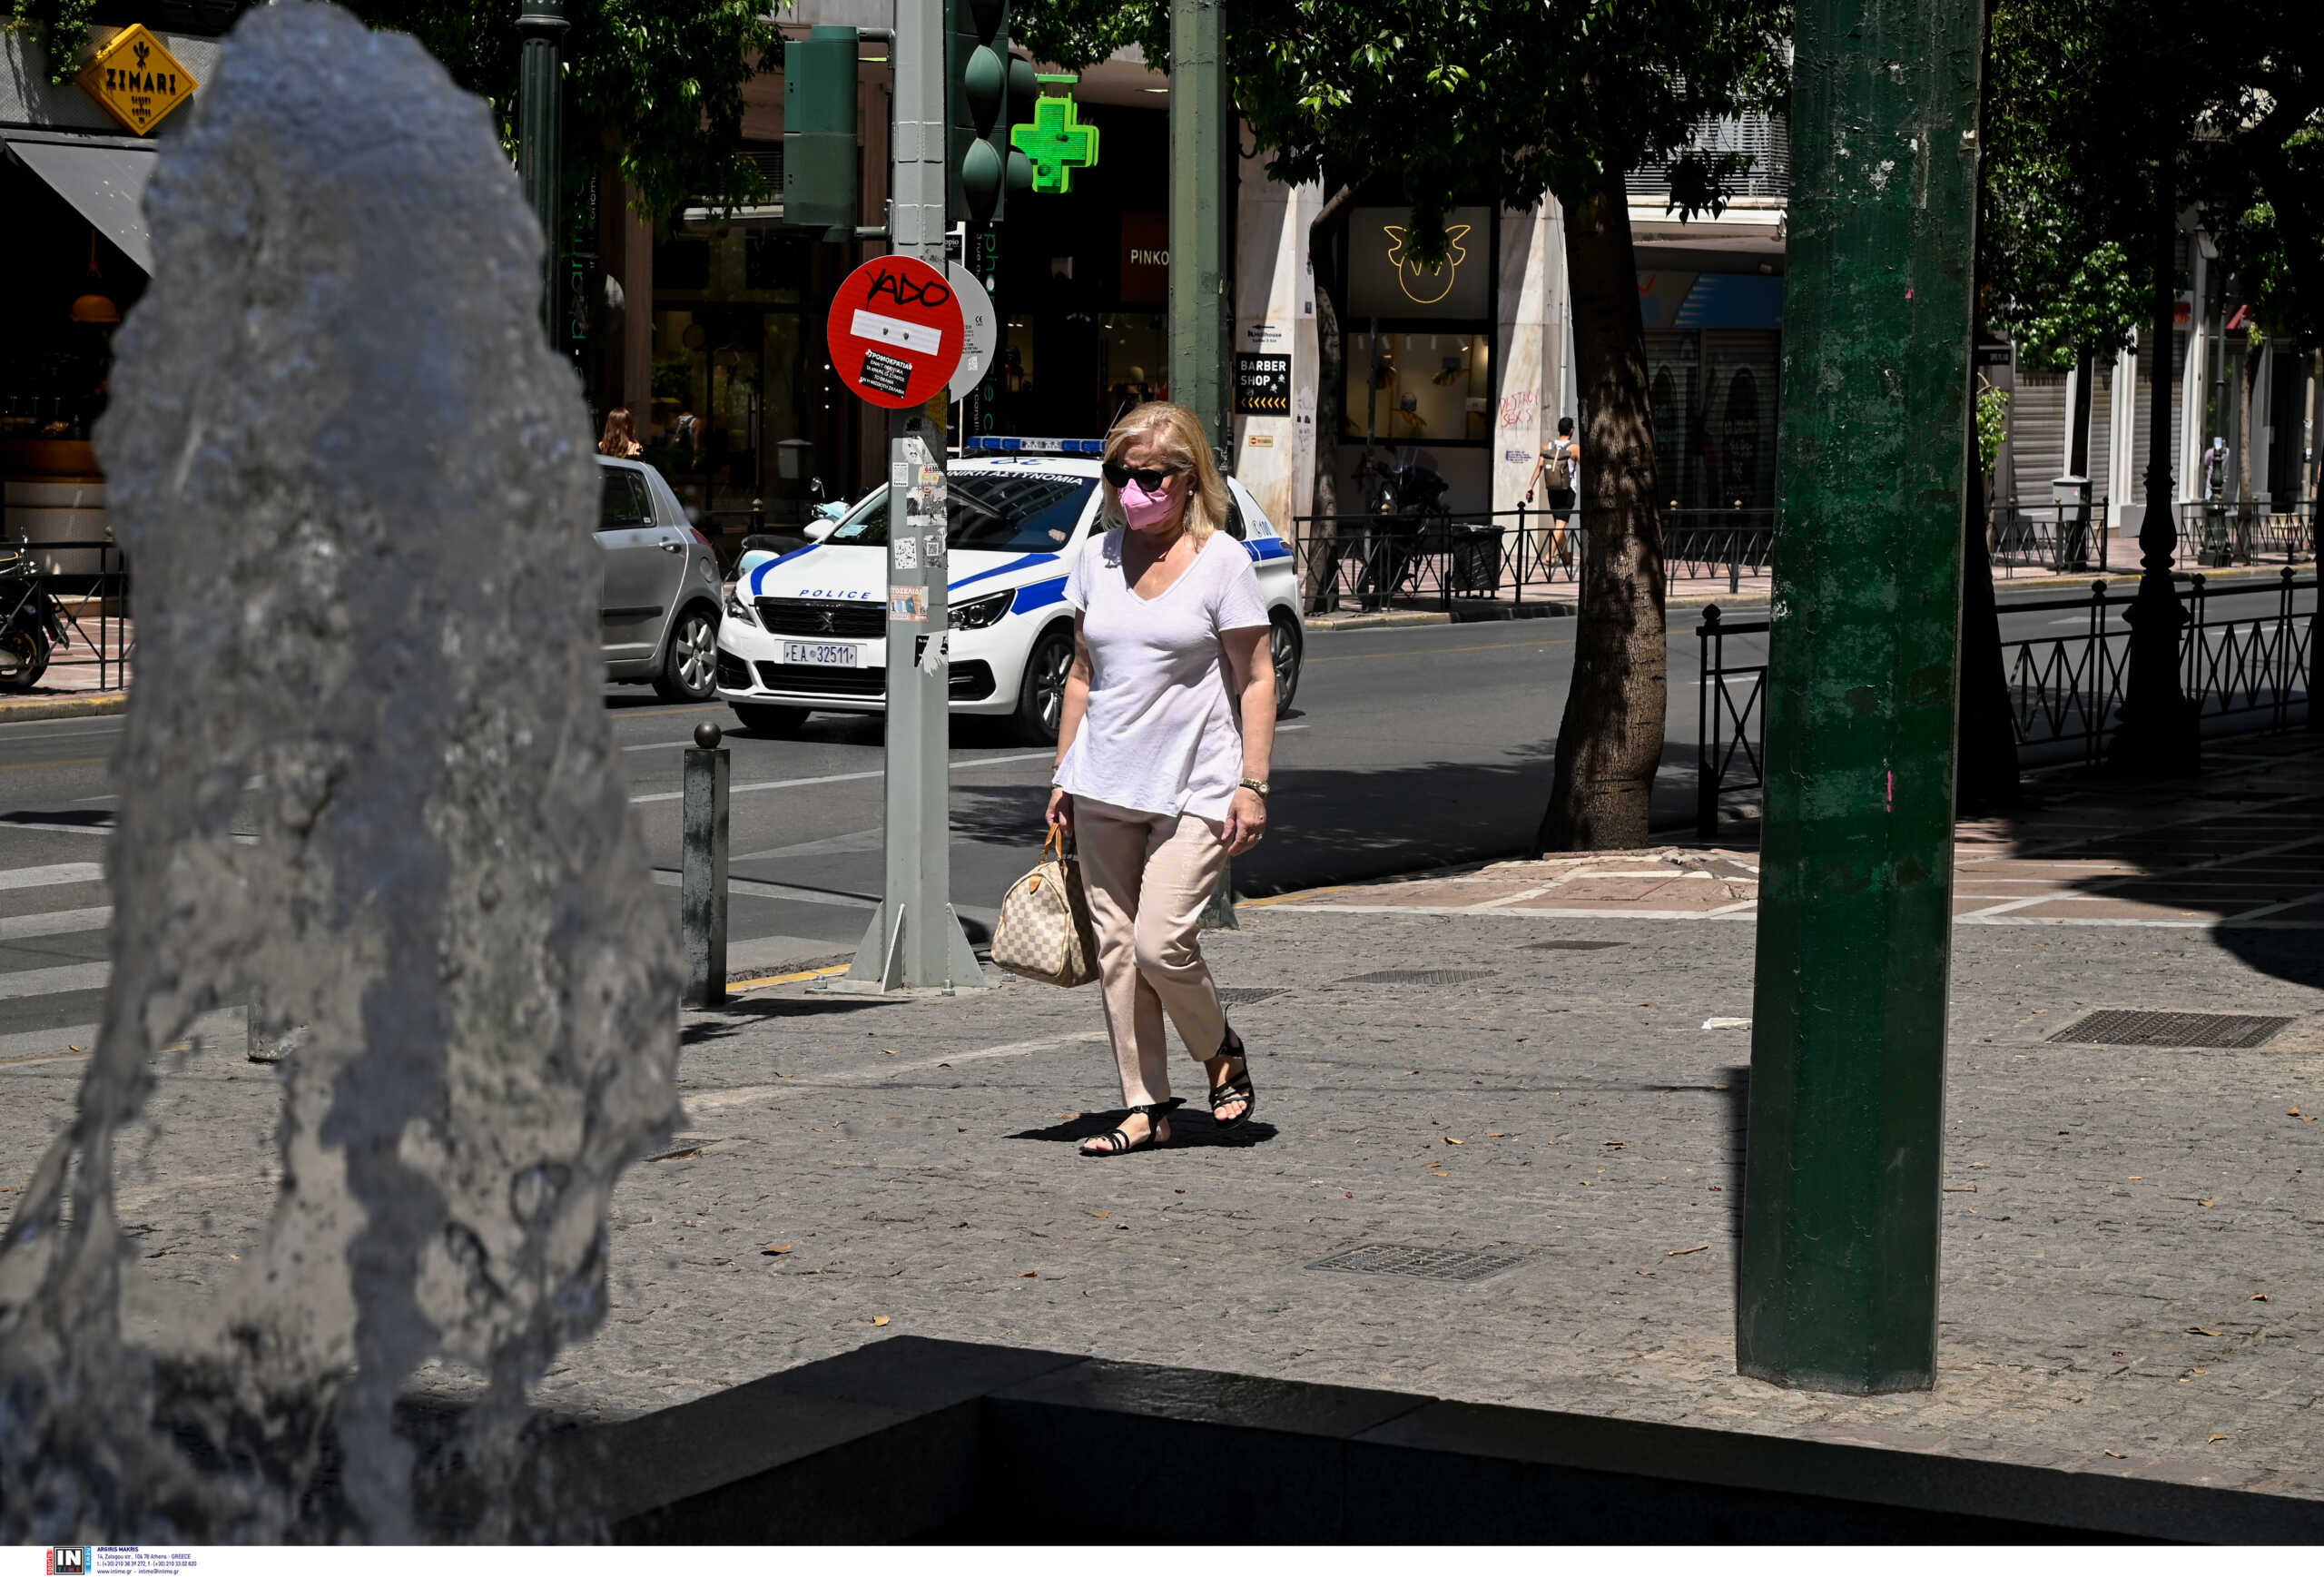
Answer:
[(911, 1440)]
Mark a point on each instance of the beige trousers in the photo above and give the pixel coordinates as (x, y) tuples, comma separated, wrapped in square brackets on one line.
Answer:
[(1148, 878)]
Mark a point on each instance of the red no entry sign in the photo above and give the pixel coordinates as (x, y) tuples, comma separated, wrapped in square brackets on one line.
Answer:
[(895, 332)]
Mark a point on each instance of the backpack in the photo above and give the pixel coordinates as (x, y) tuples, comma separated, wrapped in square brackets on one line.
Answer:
[(1559, 475)]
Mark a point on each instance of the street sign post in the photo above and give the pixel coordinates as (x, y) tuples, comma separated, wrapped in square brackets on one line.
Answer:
[(896, 334), (981, 329)]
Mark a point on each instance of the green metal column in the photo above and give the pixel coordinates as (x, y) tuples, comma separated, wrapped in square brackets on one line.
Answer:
[(1202, 314), (540, 130), (1837, 1289)]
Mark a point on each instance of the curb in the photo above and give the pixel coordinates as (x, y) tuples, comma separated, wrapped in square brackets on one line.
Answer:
[(1472, 614), (2235, 572), (35, 708)]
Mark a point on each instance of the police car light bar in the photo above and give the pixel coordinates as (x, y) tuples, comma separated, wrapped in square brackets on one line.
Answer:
[(1032, 445)]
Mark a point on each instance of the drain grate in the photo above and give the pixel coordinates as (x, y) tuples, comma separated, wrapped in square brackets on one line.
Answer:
[(1415, 977), (1567, 946), (2130, 1027), (1433, 1264), (1243, 995)]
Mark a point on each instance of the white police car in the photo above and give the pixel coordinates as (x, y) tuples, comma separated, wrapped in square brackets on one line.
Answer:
[(807, 632)]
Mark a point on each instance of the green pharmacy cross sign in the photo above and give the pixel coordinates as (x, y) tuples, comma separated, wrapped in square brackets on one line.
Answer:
[(1056, 142)]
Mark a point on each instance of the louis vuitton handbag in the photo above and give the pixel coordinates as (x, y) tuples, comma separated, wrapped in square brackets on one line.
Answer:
[(1044, 933)]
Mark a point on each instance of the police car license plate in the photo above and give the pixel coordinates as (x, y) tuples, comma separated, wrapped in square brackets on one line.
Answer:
[(821, 654)]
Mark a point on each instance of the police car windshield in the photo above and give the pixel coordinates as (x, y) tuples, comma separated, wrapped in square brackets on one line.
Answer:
[(989, 511)]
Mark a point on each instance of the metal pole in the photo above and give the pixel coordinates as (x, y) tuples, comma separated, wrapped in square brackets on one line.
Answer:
[(539, 129), (1202, 310), (702, 891), (1838, 1282), (2157, 737), (914, 942)]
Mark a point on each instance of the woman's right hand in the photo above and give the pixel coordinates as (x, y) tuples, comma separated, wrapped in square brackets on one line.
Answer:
[(1061, 811)]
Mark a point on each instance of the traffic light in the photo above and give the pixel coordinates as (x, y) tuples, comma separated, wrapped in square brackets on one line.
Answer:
[(982, 84), (819, 150)]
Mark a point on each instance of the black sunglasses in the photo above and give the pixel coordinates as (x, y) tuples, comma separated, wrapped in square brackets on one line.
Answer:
[(1150, 478)]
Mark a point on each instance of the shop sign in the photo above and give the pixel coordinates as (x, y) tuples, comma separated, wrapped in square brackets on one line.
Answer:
[(1384, 281), (1056, 141), (1261, 385), (1146, 259), (135, 77)]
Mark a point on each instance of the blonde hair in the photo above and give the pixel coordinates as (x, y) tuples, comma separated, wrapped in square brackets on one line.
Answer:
[(1177, 433)]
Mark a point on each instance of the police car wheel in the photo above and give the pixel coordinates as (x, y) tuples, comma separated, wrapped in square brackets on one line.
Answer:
[(1040, 695), (1285, 647), (769, 721)]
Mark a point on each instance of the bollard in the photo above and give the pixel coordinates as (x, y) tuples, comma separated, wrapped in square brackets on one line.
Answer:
[(702, 889)]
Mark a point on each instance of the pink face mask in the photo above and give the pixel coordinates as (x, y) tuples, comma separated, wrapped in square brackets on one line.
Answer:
[(1145, 510)]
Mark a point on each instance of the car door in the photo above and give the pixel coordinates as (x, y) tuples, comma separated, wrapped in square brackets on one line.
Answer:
[(644, 561)]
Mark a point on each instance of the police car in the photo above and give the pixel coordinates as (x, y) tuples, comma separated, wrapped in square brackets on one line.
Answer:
[(807, 632)]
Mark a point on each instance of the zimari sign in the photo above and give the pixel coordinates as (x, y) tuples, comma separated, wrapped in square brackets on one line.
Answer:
[(135, 77)]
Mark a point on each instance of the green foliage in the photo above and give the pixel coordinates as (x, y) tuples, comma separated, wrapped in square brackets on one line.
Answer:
[(659, 81), (1477, 101), (1993, 424), (2087, 100), (60, 26)]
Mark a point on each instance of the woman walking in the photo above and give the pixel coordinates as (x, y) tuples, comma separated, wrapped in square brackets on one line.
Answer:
[(1162, 756)]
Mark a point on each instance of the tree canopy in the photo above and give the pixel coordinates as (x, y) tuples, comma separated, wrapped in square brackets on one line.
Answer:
[(652, 86), (2087, 100)]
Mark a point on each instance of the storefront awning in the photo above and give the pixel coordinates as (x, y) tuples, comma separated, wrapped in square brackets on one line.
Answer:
[(103, 178)]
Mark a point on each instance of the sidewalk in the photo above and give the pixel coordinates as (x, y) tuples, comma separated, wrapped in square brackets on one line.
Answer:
[(1533, 1076)]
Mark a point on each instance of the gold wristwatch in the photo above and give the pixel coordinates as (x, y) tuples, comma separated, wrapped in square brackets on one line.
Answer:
[(1257, 785)]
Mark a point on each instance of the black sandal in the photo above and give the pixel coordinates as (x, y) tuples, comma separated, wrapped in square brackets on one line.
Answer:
[(1120, 1143), (1237, 1088)]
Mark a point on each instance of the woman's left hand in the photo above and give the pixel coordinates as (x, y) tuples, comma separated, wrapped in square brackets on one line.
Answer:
[(1247, 821)]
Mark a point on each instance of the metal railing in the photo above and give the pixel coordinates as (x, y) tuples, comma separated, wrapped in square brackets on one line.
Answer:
[(1372, 562), (2217, 532), (2247, 654), (2047, 538), (89, 579)]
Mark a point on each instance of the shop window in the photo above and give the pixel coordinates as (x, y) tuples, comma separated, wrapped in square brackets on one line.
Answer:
[(774, 262), (682, 263), (1419, 389), (1740, 439)]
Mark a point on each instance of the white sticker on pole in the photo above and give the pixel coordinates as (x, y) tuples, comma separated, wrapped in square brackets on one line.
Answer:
[(883, 329)]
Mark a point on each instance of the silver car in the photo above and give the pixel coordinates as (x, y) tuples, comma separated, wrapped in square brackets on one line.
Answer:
[(660, 605)]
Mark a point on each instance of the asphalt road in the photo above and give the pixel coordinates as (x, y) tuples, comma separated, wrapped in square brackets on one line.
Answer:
[(1408, 748)]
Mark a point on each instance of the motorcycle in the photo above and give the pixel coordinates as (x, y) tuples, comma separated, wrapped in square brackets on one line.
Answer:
[(32, 627), (1409, 505)]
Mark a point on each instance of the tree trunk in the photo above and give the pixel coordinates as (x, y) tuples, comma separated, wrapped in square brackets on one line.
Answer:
[(1319, 566), (1611, 740)]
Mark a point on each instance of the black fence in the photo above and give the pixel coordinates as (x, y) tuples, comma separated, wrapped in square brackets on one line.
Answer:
[(89, 579), (2217, 533), (2047, 538), (1373, 562), (2247, 654)]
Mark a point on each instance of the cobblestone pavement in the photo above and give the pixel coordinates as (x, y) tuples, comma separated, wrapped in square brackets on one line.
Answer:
[(2130, 1283), (2244, 847)]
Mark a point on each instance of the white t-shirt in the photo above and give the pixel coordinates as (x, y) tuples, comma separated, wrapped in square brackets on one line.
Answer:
[(1161, 734)]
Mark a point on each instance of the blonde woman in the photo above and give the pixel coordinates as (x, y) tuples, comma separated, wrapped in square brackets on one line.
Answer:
[(1162, 756)]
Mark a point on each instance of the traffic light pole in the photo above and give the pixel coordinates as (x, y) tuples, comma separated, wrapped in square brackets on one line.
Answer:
[(915, 941), (1202, 310), (1837, 1283), (541, 98)]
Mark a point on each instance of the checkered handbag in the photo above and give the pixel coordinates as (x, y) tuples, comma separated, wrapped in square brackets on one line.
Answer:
[(1044, 933)]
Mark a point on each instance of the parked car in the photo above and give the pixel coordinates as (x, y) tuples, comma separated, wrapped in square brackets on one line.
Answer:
[(807, 632), (660, 605)]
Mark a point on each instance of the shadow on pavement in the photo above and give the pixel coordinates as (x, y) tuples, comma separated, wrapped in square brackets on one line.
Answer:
[(1188, 1129), (740, 1015)]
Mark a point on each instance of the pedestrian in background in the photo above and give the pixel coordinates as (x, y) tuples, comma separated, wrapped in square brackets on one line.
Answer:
[(1162, 756), (1561, 464), (619, 440)]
